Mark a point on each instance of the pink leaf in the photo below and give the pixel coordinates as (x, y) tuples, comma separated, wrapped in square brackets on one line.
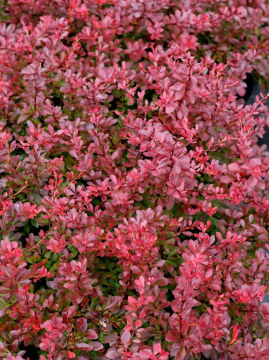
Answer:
[(125, 337), (226, 179), (82, 325), (83, 347), (234, 167), (181, 355), (91, 334), (251, 183), (112, 354)]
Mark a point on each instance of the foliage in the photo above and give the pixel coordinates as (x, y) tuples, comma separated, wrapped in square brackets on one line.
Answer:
[(134, 196)]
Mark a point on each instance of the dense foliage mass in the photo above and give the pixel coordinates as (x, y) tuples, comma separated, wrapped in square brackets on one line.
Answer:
[(133, 193)]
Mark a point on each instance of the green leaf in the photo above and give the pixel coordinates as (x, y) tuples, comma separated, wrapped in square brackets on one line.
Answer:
[(69, 161), (174, 262), (34, 223), (47, 254), (120, 123)]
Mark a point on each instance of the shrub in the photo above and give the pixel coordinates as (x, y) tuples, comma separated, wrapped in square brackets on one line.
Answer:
[(134, 196)]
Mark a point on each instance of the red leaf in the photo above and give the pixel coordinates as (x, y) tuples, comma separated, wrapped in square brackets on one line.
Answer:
[(235, 333), (71, 355)]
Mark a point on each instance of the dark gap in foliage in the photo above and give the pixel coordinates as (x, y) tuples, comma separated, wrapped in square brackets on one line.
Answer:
[(18, 151), (133, 106), (254, 90), (204, 38), (97, 200), (40, 284), (57, 101), (250, 84), (188, 147), (148, 50), (84, 46), (182, 237), (265, 139), (169, 310), (82, 182), (204, 358), (108, 271), (106, 5), (31, 227), (149, 95), (32, 352), (169, 11), (170, 296), (72, 35), (113, 105), (165, 45)]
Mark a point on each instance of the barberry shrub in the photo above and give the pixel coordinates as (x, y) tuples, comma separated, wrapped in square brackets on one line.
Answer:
[(133, 193)]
